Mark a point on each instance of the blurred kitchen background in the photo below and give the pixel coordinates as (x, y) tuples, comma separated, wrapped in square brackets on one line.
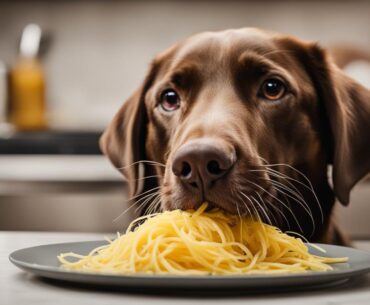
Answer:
[(91, 56)]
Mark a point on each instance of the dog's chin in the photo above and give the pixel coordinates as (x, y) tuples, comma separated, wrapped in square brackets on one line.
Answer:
[(190, 203), (179, 198)]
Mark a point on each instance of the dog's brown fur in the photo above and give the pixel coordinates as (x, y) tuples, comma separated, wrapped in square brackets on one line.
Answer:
[(324, 119)]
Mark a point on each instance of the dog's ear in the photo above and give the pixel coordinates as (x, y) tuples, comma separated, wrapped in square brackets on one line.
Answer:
[(345, 109), (124, 139)]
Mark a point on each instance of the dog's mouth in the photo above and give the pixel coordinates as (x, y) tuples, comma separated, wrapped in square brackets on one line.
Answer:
[(250, 197), (274, 196)]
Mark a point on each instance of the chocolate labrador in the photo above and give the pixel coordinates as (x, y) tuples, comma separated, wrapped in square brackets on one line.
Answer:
[(249, 121)]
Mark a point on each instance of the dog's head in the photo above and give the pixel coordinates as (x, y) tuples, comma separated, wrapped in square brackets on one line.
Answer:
[(234, 117)]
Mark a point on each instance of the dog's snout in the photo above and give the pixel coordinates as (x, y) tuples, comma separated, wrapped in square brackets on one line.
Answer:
[(199, 163)]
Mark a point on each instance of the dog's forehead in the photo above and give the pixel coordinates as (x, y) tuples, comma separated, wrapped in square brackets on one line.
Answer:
[(211, 46)]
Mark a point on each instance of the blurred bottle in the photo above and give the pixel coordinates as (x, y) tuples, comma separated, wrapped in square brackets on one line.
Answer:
[(3, 93), (27, 84)]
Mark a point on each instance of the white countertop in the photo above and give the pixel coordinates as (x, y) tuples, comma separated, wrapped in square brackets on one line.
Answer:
[(18, 287), (54, 168)]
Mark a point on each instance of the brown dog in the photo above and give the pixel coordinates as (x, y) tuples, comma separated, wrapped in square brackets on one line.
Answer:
[(248, 121)]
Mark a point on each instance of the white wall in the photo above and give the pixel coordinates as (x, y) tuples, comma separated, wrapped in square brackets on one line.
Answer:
[(101, 48)]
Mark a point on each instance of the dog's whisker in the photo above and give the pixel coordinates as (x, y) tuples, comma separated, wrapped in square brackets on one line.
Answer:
[(154, 206), (284, 189), (148, 162), (272, 174), (272, 196), (272, 206), (246, 206), (262, 209), (135, 203), (149, 198), (268, 166), (233, 193), (237, 208), (276, 174), (240, 217), (290, 191), (310, 187), (140, 201), (146, 177), (287, 178), (267, 207), (281, 175), (252, 205), (141, 194), (298, 197), (250, 214), (303, 204)]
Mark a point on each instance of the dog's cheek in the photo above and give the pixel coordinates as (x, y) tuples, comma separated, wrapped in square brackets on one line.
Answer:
[(166, 189), (306, 140), (156, 144)]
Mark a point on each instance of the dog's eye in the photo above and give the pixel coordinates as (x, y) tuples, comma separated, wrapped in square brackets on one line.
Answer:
[(170, 100), (272, 90)]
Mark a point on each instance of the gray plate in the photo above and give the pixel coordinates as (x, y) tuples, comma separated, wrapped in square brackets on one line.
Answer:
[(42, 261)]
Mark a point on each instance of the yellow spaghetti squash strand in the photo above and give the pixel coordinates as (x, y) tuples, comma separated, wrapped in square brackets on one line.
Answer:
[(199, 243)]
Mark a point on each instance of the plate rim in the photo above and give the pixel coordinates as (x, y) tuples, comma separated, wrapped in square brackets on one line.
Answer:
[(34, 267)]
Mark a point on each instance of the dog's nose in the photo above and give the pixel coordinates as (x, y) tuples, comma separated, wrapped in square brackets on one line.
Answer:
[(201, 162)]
